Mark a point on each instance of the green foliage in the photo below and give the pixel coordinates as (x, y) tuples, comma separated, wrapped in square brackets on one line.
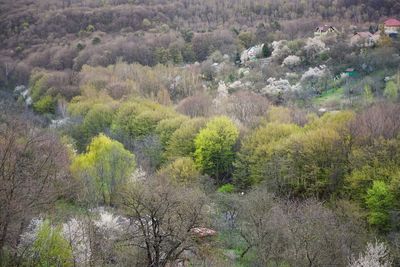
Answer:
[(312, 174), (334, 94), (246, 39), (50, 248), (139, 118), (80, 46), (167, 127), (288, 158), (37, 83), (181, 142), (90, 28), (266, 50), (391, 91), (96, 40), (379, 201), (226, 188), (368, 94), (257, 149), (176, 54), (187, 35), (146, 23), (45, 105), (91, 97), (97, 120), (214, 148), (162, 55), (377, 161), (181, 171), (104, 168)]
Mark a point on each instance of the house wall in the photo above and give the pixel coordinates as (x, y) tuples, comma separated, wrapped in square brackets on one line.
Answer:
[(391, 29)]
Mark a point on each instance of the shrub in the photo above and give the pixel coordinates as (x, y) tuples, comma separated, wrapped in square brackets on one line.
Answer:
[(45, 105), (226, 188)]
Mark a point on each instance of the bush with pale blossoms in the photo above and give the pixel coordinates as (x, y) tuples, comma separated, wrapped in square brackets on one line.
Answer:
[(314, 73), (314, 79), (314, 46), (275, 87), (77, 233), (280, 50), (29, 236), (291, 61), (375, 255)]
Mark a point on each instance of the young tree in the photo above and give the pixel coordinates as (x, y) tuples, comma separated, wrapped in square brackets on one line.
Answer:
[(51, 248), (214, 148), (391, 91), (379, 201), (104, 168)]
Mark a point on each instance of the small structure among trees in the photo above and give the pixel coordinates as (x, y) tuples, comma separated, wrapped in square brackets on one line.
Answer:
[(324, 30), (364, 39), (392, 27), (254, 52)]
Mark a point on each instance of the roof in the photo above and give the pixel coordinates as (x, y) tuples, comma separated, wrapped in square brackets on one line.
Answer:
[(364, 34), (203, 232), (324, 28), (392, 23)]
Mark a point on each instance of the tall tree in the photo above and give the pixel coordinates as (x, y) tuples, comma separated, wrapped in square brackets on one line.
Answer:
[(165, 219), (214, 148), (103, 168), (33, 174)]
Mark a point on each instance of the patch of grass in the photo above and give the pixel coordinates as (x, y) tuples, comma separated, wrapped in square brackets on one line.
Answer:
[(334, 94)]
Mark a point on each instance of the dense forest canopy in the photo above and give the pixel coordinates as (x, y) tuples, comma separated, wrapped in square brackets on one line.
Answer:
[(200, 133)]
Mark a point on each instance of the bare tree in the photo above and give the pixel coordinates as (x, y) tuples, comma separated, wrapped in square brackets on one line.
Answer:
[(301, 233), (195, 106), (164, 219), (33, 174), (380, 120), (247, 107)]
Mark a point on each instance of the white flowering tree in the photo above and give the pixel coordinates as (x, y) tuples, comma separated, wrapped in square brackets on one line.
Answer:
[(276, 87), (314, 46), (314, 80), (291, 61), (375, 255)]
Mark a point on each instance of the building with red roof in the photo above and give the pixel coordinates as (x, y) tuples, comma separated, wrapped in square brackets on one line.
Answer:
[(392, 26)]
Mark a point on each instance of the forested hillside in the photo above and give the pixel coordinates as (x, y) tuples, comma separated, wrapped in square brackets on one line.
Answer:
[(199, 133)]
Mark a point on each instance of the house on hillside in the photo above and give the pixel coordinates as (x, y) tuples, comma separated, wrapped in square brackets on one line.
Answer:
[(392, 27), (252, 53), (324, 30), (364, 39)]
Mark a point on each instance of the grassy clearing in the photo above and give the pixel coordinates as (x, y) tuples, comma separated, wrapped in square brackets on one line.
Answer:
[(334, 94)]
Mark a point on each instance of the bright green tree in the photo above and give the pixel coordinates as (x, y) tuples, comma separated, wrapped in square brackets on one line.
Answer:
[(391, 91), (181, 142), (255, 157), (45, 105), (214, 148), (51, 248), (104, 168), (379, 201), (139, 118), (167, 127), (97, 120)]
